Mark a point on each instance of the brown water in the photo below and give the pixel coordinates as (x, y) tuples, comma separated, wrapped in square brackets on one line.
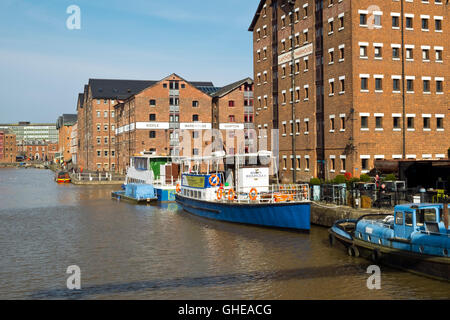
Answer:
[(139, 252)]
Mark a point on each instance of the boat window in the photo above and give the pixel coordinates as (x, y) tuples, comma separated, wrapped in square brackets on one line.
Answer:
[(399, 218), (408, 218), (425, 215)]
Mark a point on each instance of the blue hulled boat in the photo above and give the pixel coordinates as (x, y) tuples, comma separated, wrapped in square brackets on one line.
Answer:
[(150, 178), (416, 238), (238, 190)]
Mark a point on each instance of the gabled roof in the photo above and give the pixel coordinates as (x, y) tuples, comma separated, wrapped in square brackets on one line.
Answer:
[(227, 89), (66, 120), (81, 99), (257, 14)]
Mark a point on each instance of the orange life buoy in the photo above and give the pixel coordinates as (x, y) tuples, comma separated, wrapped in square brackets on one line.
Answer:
[(216, 180), (253, 194), (220, 194), (231, 194), (178, 188)]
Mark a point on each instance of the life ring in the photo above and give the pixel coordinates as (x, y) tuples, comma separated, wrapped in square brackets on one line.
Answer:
[(220, 194), (178, 188), (253, 195), (214, 184), (231, 194)]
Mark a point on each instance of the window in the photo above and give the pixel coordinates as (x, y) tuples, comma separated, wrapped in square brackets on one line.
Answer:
[(426, 86), (113, 114), (152, 134), (378, 84), (379, 122), (99, 141), (106, 140), (99, 153), (152, 103), (341, 54), (333, 164), (438, 55), (409, 22), (152, 117), (396, 53), (231, 118), (231, 103), (396, 122), (377, 20), (341, 22), (410, 122), (409, 54), (98, 114), (105, 114), (98, 128), (106, 153), (331, 26), (437, 25), (363, 19), (395, 22), (332, 88), (342, 81), (105, 127), (364, 122), (426, 123), (363, 51), (364, 84), (195, 104), (378, 52), (331, 56), (195, 152), (440, 123), (408, 219), (332, 124), (396, 84), (399, 218), (425, 24), (342, 123), (195, 118), (439, 86), (410, 85), (426, 55), (343, 164), (365, 164)]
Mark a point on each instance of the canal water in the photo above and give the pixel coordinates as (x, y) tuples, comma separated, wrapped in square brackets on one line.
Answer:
[(148, 252)]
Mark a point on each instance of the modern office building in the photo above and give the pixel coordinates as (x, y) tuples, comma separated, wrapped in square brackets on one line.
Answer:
[(33, 131)]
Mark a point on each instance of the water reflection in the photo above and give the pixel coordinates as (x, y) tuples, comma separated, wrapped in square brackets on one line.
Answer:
[(159, 252)]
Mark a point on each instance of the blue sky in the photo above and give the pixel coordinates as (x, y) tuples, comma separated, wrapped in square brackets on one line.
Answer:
[(44, 65)]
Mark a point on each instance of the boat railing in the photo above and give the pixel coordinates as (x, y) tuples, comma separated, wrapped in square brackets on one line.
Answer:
[(265, 194)]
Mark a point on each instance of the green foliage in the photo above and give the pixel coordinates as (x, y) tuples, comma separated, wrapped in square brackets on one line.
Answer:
[(390, 177), (352, 181), (315, 182), (365, 178), (340, 179)]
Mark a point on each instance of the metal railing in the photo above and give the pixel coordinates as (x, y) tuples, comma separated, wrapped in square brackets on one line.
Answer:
[(101, 176), (291, 193)]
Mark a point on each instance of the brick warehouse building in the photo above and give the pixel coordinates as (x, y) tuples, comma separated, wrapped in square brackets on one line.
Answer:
[(64, 125), (151, 120), (367, 82), (233, 115), (96, 121), (8, 146)]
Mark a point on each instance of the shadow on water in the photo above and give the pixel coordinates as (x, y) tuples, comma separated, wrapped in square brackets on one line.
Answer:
[(209, 281)]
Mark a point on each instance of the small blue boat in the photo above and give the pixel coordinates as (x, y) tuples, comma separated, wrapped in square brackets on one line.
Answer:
[(161, 173), (242, 194), (416, 238)]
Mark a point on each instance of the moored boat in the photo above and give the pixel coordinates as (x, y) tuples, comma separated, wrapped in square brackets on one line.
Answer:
[(62, 177), (240, 193), (416, 238), (150, 178)]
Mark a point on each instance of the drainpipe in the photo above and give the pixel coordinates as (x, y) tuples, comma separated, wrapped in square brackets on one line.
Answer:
[(403, 83)]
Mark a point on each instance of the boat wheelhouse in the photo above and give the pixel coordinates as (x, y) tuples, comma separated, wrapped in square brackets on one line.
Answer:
[(416, 238), (150, 178), (62, 177), (237, 189)]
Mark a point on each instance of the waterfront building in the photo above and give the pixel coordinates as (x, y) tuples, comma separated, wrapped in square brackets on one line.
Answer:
[(33, 131), (233, 115), (96, 121), (8, 146), (35, 150), (64, 125), (347, 83), (152, 119), (74, 143)]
